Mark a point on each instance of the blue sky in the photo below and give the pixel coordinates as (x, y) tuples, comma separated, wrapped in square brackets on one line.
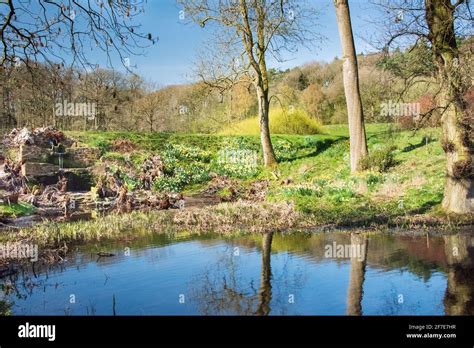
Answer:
[(171, 59)]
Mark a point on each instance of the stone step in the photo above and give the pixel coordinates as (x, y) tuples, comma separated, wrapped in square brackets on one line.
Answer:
[(35, 169)]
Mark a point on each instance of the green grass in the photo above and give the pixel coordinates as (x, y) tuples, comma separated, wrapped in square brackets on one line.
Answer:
[(313, 175), (108, 227), (320, 187), (321, 184), (16, 210), (190, 159), (226, 218)]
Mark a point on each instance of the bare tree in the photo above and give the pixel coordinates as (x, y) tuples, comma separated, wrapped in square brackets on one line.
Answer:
[(358, 141), (442, 23), (135, 86), (31, 95), (64, 31), (150, 107), (43, 37), (248, 32)]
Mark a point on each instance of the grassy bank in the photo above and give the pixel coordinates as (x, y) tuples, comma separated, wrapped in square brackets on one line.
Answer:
[(222, 219), (404, 176), (402, 184)]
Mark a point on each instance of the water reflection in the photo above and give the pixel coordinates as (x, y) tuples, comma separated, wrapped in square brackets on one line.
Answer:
[(269, 274), (459, 298), (224, 288), (357, 275), (265, 292)]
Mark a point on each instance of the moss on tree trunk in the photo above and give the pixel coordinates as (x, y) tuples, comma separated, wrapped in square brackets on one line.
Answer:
[(456, 121)]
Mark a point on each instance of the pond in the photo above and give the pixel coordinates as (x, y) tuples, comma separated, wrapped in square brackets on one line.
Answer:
[(272, 274)]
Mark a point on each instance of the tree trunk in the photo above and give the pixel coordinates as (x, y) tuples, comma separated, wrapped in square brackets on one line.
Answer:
[(456, 121), (459, 187), (259, 66), (358, 142), (151, 123), (269, 158)]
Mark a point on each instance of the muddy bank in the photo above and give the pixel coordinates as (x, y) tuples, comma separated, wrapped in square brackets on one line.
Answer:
[(201, 214), (86, 208)]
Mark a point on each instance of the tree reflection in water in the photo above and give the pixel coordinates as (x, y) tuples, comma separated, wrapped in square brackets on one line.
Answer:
[(459, 296), (222, 289), (265, 292), (269, 269), (357, 275)]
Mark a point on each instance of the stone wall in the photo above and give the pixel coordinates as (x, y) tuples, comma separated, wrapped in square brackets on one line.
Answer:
[(86, 156), (32, 169), (81, 157), (33, 153)]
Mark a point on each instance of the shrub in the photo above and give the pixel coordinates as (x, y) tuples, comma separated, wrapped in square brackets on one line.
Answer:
[(380, 159), (284, 150), (101, 144), (185, 153), (168, 184), (372, 179), (182, 176), (340, 194), (281, 122)]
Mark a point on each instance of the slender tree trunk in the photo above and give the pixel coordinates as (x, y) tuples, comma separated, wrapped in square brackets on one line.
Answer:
[(456, 121), (258, 63), (269, 157), (357, 276), (358, 142)]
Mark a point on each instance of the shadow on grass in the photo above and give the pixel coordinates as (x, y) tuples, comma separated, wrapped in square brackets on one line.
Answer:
[(424, 142), (321, 146)]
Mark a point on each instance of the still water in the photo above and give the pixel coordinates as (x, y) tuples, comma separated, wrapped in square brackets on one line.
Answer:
[(272, 274)]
